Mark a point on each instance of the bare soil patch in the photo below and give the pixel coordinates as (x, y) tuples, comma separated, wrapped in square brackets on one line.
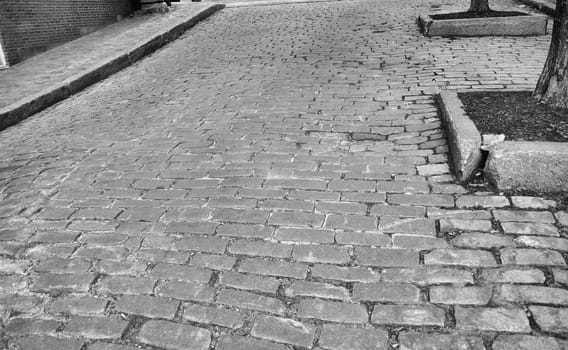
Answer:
[(516, 115)]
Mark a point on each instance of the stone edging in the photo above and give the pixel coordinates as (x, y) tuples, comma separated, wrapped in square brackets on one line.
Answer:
[(530, 24), (537, 166), (29, 105)]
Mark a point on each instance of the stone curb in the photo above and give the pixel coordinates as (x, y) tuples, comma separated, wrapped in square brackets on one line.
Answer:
[(542, 6), (537, 166), (520, 25), (29, 105), (463, 137)]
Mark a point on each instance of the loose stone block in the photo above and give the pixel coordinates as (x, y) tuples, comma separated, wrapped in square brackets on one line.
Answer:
[(174, 336), (432, 341)]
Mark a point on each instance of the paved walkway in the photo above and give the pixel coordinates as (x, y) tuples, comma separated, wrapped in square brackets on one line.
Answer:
[(277, 178)]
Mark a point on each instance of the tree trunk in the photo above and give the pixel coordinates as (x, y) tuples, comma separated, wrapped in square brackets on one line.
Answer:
[(479, 6), (552, 86)]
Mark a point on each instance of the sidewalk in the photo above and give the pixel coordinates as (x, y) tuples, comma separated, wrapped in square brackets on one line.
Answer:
[(43, 80)]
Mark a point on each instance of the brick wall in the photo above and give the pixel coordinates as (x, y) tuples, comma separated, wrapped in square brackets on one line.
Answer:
[(29, 27)]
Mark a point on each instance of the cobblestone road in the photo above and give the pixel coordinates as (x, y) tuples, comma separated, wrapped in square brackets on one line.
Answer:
[(277, 178)]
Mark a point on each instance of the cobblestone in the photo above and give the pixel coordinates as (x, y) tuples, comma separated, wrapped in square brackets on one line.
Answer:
[(404, 315), (172, 335), (337, 337), (277, 178), (284, 330)]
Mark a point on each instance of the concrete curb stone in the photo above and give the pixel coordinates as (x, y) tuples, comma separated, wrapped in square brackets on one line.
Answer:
[(463, 136), (519, 25), (538, 166)]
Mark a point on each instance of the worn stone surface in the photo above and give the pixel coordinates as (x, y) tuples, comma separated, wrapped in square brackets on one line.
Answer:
[(514, 164), (276, 165)]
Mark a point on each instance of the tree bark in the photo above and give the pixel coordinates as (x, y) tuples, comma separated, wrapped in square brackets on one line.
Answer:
[(552, 86), (479, 6)]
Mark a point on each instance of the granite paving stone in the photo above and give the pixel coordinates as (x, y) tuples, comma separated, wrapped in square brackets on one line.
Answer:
[(276, 177)]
